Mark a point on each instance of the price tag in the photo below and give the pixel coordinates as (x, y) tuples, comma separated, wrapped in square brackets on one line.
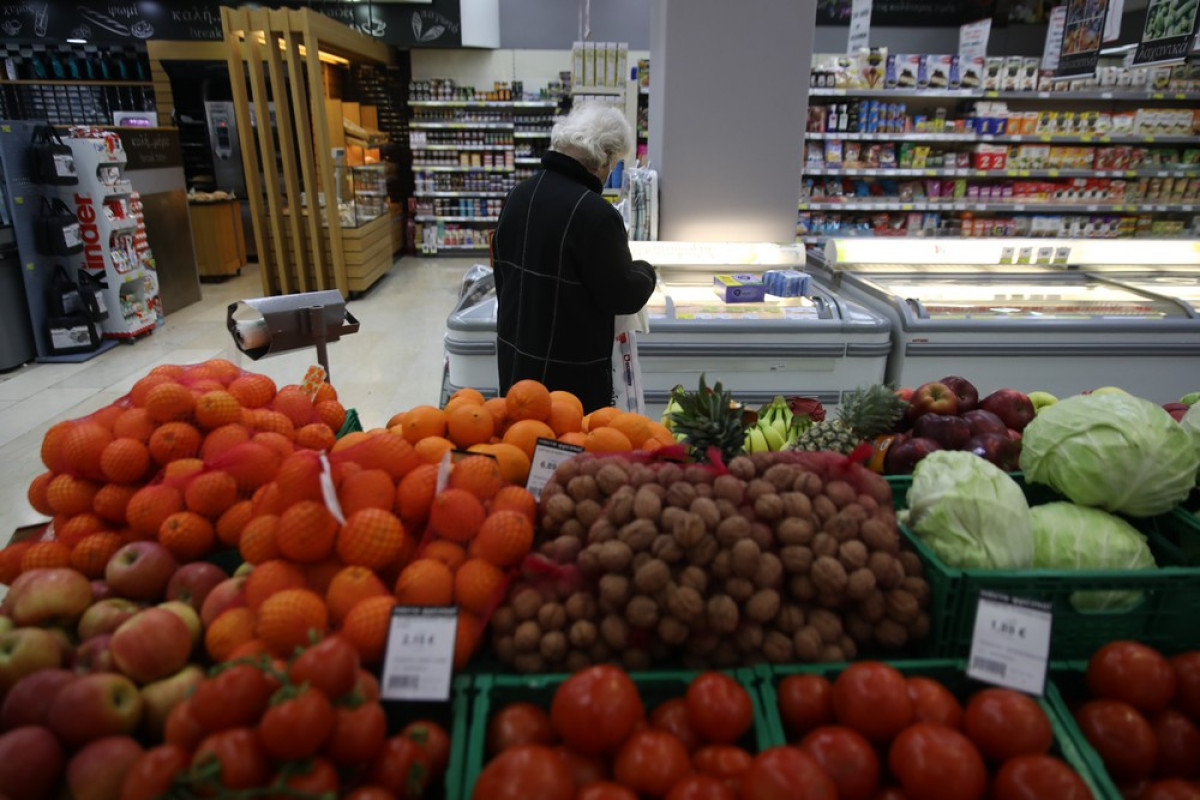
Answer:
[(547, 455), (1044, 254), (1024, 255), (1062, 255), (419, 659), (1011, 643), (1006, 255)]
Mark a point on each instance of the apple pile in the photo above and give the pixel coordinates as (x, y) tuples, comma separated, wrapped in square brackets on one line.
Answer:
[(949, 415)]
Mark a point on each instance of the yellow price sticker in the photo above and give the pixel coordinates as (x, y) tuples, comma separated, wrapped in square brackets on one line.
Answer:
[(1053, 173)]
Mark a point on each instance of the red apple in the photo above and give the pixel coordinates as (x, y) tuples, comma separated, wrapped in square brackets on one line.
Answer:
[(105, 616), (153, 644), (982, 422), (140, 571), (160, 697), (28, 702), (1000, 450), (1176, 410), (191, 583), (1014, 408), (964, 391), (905, 393), (48, 597), (225, 595), (97, 772), (902, 458), (31, 763), (24, 651), (95, 655), (190, 617), (95, 706), (948, 431), (933, 398), (100, 590)]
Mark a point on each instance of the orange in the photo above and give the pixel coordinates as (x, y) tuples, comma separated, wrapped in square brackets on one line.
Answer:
[(286, 619), (498, 408), (217, 408), (325, 393), (332, 413), (259, 540), (320, 575), (150, 506), (229, 526), (315, 436), (467, 394), (252, 390), (565, 418), (469, 424), (170, 370), (36, 494), (68, 495), (270, 577), (250, 649), (220, 441), (432, 449), (267, 499), (456, 514), (446, 552), (414, 494), (276, 441), (232, 628), (599, 418), (251, 464), (174, 440), (108, 416), (368, 488), (504, 539), (134, 423), (125, 460), (111, 501), (77, 527), (10, 561), (525, 433), (422, 421), (372, 538), (187, 535), (170, 402), (211, 493), (651, 444), (479, 475), (46, 555), (367, 626), (425, 582), (607, 440), (273, 422), (307, 532), (299, 477), (635, 427), (140, 392), (216, 369), (560, 396), (662, 433), (91, 555), (515, 498), (577, 439), (527, 399), (396, 421), (81, 448), (390, 453), (466, 638), (180, 471), (203, 386), (349, 587), (478, 585), (514, 463), (350, 441), (295, 405), (455, 403)]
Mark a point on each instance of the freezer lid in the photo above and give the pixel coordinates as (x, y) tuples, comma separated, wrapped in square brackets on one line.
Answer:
[(475, 318), (1183, 286), (695, 307)]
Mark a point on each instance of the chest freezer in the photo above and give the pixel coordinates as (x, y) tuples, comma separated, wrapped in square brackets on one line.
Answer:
[(1182, 286)]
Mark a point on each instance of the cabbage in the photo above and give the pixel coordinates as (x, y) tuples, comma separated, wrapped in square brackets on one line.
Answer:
[(1067, 536), (970, 512), (1115, 451), (1191, 425)]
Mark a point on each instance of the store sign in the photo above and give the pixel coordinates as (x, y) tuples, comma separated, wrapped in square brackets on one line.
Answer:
[(860, 26), (1083, 34), (1169, 32), (1054, 36), (908, 13), (973, 39)]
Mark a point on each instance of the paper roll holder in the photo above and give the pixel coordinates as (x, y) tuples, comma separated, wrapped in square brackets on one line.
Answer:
[(265, 326)]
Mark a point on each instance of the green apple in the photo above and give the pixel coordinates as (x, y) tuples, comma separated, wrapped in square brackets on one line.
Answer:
[(1041, 400), (1190, 399), (6, 625), (1109, 390)]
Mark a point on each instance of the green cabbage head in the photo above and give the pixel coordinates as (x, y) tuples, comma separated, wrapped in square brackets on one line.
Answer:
[(1114, 451), (970, 512), (1191, 425)]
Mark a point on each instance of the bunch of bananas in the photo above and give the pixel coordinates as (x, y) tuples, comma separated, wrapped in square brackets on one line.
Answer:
[(777, 427)]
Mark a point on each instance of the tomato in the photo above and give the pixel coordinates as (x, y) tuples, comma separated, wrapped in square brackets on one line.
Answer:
[(933, 702), (1178, 745), (182, 728), (651, 761), (847, 757), (805, 702), (367, 687), (1186, 667), (934, 762), (719, 708), (1003, 723), (890, 793), (1037, 776), (700, 787), (724, 761), (523, 772), (330, 665), (357, 734), (596, 709), (1133, 790), (1132, 673), (1171, 789), (297, 728), (872, 698), (786, 773), (433, 740), (153, 773), (400, 767), (235, 697), (519, 723), (370, 793), (243, 762), (605, 790), (584, 769), (314, 777), (672, 717), (1122, 737)]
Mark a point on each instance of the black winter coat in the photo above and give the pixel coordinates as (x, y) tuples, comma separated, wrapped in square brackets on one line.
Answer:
[(563, 272)]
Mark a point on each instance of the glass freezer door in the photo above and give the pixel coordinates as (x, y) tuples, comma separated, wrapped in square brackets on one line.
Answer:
[(1181, 286)]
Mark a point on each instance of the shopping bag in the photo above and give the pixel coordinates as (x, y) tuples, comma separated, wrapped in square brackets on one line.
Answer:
[(71, 334), (56, 230), (65, 298), (627, 371), (91, 291), (53, 162)]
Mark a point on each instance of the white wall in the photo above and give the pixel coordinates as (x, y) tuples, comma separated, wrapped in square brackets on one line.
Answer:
[(481, 68)]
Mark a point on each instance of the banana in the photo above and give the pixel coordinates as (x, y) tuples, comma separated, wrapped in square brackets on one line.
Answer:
[(758, 444), (780, 428), (771, 435)]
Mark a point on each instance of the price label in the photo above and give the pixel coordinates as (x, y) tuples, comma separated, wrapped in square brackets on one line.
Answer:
[(1044, 254), (1025, 255), (547, 455), (1011, 643), (1062, 255), (1006, 255), (420, 653)]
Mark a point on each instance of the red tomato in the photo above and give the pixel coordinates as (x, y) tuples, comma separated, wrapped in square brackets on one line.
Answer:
[(725, 761), (357, 734), (890, 793), (1133, 790), (847, 757), (719, 708), (1132, 673), (1171, 789), (1186, 667), (154, 772), (330, 665), (786, 773), (584, 769), (401, 768), (672, 717), (315, 776), (1003, 723), (367, 687), (525, 771), (1036, 777), (433, 740), (236, 697), (596, 709), (805, 702), (651, 761), (182, 728), (933, 702), (1178, 745), (872, 698), (519, 723), (1122, 737), (243, 761), (934, 762), (370, 793), (297, 728), (700, 787), (605, 790)]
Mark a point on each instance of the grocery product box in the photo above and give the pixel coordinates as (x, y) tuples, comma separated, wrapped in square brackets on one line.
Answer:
[(943, 71), (870, 67), (971, 72), (990, 156), (993, 73), (787, 282), (903, 71), (741, 288), (1010, 78)]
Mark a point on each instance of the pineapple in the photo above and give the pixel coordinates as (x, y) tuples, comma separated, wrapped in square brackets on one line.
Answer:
[(864, 415), (707, 418)]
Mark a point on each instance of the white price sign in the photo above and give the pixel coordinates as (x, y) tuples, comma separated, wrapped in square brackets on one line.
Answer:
[(1011, 643), (547, 455), (1054, 37), (860, 26), (973, 38), (420, 653)]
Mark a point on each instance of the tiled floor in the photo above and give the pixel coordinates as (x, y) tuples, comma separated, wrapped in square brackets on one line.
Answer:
[(394, 362)]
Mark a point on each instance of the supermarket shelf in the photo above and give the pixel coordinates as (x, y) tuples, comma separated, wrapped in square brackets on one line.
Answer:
[(1004, 173), (465, 126), (1041, 138), (50, 82), (1035, 207), (368, 193), (472, 247), (613, 90), (527, 160), (809, 238), (532, 134), (458, 168), (452, 218), (991, 94), (462, 147), (460, 194), (482, 104)]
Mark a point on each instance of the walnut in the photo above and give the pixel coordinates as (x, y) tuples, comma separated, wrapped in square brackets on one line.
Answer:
[(614, 556), (841, 526), (826, 623), (824, 508), (681, 494), (722, 565), (740, 589), (619, 508), (670, 517), (615, 590), (703, 552), (763, 606), (580, 605), (647, 504), (732, 530), (853, 555), (831, 654), (685, 603), (763, 461), (665, 548), (878, 535), (590, 465), (565, 471), (636, 660), (559, 508), (794, 530), (563, 549), (705, 508), (769, 507), (588, 561), (672, 631), (601, 531), (731, 488), (918, 588), (841, 493), (587, 512), (748, 638), (641, 559), (704, 491), (552, 617), (529, 663), (829, 576), (527, 637), (888, 572), (638, 534), (554, 646), (858, 628), (689, 528), (721, 614), (781, 476), (745, 555), (573, 527), (761, 535), (611, 477), (790, 618), (652, 576), (668, 474), (860, 583), (583, 487), (777, 647), (872, 607), (696, 474), (802, 588), (614, 630), (504, 620), (525, 603), (889, 633), (769, 573), (919, 629), (742, 468), (797, 560), (506, 649), (901, 606), (758, 488), (912, 564), (807, 643), (825, 545), (576, 660), (642, 475), (600, 653), (582, 633), (727, 509), (642, 612), (809, 483)]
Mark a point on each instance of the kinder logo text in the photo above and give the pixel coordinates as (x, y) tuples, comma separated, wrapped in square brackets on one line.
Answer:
[(93, 252)]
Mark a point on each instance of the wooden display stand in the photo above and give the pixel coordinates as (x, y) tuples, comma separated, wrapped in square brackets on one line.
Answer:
[(218, 238)]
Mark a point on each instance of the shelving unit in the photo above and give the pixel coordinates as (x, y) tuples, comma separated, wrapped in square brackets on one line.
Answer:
[(72, 83)]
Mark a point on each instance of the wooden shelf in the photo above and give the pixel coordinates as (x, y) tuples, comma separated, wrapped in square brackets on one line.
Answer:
[(57, 82)]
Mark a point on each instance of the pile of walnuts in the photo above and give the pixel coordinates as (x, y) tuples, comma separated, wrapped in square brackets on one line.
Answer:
[(786, 557)]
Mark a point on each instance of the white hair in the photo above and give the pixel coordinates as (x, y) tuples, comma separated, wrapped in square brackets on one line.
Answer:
[(595, 134)]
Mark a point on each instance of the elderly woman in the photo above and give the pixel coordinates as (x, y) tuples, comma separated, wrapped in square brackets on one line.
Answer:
[(562, 264)]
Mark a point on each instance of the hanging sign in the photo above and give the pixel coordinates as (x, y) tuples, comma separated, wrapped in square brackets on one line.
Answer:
[(860, 26), (973, 39), (1054, 37), (1083, 34), (1112, 25), (1169, 32)]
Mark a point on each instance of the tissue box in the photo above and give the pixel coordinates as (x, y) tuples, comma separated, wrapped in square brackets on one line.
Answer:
[(787, 282), (739, 288)]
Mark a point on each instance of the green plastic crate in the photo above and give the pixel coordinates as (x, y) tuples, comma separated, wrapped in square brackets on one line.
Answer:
[(952, 674), (1165, 617), (351, 425), (453, 715), (494, 691), (1066, 685)]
